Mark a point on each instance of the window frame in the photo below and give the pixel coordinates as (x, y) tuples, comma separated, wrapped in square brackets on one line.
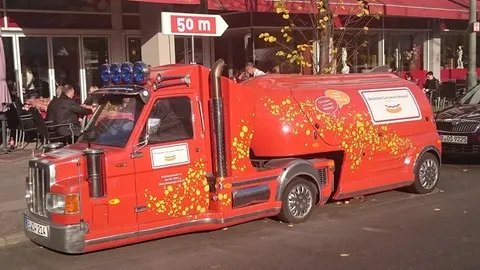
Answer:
[(191, 121)]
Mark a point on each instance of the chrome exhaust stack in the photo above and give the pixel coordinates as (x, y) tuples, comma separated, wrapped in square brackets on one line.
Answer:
[(95, 169)]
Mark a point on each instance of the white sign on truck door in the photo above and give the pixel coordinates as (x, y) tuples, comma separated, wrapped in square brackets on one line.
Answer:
[(392, 105)]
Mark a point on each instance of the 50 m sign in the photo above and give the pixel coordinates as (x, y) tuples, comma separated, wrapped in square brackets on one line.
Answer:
[(190, 24)]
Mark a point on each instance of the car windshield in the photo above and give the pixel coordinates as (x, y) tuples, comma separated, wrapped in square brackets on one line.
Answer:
[(472, 97), (113, 120)]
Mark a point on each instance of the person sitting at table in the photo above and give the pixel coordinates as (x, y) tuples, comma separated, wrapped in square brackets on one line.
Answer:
[(67, 111), (89, 99), (53, 102)]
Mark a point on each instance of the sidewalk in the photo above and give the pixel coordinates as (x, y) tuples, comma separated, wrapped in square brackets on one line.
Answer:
[(12, 202)]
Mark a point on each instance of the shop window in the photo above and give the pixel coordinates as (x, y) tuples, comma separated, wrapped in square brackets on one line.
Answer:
[(59, 5), (183, 50), (134, 49), (66, 62), (9, 65), (173, 118), (361, 50), (34, 66), (130, 7), (451, 57), (266, 58), (404, 51), (95, 54)]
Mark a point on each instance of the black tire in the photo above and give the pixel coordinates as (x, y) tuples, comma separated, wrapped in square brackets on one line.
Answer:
[(303, 198), (427, 174)]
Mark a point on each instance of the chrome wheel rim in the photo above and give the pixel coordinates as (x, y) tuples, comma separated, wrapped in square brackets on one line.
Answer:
[(300, 201), (428, 173)]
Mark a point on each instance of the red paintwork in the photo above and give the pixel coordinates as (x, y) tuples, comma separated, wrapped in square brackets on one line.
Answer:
[(255, 114)]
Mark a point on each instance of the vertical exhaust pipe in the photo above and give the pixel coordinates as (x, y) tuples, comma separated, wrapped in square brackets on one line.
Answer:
[(95, 164), (217, 116)]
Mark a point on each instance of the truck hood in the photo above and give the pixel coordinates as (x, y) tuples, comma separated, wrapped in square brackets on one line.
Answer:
[(66, 161), (460, 112)]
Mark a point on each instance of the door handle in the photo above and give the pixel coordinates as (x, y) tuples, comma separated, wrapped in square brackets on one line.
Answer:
[(137, 155)]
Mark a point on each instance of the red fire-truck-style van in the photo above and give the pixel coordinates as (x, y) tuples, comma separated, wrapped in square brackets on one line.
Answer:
[(178, 148)]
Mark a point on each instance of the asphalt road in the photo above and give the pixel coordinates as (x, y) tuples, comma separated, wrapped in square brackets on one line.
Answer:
[(392, 230)]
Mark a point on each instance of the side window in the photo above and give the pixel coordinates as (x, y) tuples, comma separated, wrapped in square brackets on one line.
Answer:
[(170, 120)]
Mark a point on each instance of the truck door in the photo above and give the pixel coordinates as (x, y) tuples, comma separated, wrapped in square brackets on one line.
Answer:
[(170, 170), (392, 113)]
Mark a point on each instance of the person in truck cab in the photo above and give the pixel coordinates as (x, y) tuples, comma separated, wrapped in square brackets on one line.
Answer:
[(169, 126), (66, 111)]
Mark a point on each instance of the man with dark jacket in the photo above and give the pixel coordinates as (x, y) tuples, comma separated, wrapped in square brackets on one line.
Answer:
[(66, 111)]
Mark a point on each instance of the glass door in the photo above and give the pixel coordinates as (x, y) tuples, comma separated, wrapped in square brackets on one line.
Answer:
[(95, 54), (33, 52), (66, 63)]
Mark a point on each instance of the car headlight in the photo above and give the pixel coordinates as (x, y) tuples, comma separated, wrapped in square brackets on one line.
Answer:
[(63, 204)]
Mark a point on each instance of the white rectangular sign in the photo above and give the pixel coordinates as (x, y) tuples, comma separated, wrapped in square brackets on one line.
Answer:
[(191, 24), (391, 105), (170, 155)]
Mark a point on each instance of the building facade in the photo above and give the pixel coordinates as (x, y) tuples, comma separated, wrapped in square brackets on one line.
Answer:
[(49, 43)]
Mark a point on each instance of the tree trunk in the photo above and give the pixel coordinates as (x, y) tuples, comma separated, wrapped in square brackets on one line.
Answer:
[(325, 41)]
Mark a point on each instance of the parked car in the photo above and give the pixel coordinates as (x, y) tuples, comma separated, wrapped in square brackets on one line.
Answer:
[(459, 124)]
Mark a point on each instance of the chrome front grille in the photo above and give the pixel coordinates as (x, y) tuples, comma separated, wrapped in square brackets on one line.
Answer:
[(460, 127), (40, 176), (323, 176)]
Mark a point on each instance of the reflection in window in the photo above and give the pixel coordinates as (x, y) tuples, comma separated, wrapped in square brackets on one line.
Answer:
[(134, 49), (65, 60), (174, 118), (95, 54), (184, 55), (450, 43), (9, 65), (34, 62), (361, 50), (403, 51)]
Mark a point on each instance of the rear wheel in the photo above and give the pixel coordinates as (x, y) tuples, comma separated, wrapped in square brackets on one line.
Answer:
[(427, 174), (298, 201)]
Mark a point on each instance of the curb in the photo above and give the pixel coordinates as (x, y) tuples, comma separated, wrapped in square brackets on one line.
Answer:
[(12, 239)]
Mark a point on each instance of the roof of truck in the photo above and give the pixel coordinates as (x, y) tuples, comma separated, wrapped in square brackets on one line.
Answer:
[(308, 81)]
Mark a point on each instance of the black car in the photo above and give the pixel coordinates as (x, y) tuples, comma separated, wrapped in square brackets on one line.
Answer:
[(458, 125)]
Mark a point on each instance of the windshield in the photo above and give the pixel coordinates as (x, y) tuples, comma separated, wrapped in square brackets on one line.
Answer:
[(113, 120), (472, 97)]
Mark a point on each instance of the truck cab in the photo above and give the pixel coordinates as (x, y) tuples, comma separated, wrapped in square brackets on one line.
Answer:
[(178, 148)]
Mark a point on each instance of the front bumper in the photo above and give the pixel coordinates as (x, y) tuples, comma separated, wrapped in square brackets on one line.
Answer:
[(450, 148), (62, 238)]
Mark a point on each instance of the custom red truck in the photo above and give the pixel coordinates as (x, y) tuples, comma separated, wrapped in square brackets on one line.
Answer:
[(179, 148)]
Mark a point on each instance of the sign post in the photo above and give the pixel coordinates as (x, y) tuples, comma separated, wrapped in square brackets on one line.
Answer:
[(190, 24)]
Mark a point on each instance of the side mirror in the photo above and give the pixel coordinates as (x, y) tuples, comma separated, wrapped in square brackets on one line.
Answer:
[(152, 126)]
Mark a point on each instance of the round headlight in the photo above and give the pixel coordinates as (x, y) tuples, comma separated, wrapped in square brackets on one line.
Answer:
[(116, 73), (127, 72), (140, 73), (105, 73)]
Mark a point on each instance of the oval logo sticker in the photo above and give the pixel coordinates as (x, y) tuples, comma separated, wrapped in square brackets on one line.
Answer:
[(114, 201)]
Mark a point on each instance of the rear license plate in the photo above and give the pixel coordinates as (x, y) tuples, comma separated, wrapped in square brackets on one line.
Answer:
[(36, 228), (454, 139)]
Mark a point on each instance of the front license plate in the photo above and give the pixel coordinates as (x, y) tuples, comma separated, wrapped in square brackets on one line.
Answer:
[(36, 228), (454, 139)]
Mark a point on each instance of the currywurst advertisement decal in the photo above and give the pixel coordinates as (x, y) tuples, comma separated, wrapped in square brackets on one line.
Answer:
[(391, 105), (170, 155)]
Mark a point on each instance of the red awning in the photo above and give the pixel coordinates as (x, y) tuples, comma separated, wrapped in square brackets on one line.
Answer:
[(181, 2), (443, 9)]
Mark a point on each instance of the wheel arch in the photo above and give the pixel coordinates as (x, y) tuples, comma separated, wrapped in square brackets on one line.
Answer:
[(428, 149), (298, 168)]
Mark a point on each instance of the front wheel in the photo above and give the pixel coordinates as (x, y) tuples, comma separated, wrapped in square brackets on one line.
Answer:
[(298, 201), (427, 174)]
